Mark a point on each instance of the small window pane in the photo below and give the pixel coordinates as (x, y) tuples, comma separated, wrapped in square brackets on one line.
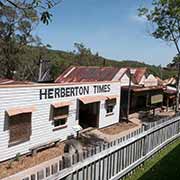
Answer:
[(60, 122), (110, 105), (61, 111)]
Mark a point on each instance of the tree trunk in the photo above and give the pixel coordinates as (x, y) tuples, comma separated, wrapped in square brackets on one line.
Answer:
[(178, 89), (178, 78)]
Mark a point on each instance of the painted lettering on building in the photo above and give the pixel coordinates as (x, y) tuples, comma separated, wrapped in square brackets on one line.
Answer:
[(60, 92)]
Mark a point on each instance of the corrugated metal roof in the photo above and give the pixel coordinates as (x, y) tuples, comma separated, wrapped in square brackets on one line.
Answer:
[(94, 73), (11, 81), (160, 81), (170, 81), (141, 89), (120, 74), (138, 73), (52, 84), (87, 74)]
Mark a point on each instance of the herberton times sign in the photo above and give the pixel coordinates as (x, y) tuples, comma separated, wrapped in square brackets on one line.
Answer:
[(59, 92)]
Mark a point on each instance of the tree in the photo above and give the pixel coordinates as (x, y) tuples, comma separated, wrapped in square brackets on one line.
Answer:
[(84, 56), (15, 35), (42, 7), (176, 59), (165, 19)]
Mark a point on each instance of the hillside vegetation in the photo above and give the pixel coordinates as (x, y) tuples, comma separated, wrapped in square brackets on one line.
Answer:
[(61, 60), (27, 63), (21, 51)]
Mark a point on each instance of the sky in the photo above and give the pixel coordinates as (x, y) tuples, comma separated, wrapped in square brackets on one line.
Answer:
[(110, 27)]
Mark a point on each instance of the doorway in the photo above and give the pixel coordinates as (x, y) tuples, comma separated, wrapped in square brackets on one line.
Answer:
[(89, 114)]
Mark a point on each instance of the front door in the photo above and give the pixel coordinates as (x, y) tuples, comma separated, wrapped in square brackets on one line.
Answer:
[(89, 114)]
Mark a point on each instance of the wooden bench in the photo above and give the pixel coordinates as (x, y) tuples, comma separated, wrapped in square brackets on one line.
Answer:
[(42, 146)]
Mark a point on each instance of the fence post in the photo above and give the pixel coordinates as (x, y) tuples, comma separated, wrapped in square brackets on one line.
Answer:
[(145, 144), (67, 160)]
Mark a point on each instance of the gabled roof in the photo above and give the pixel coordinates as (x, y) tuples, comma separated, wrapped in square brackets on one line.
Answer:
[(94, 73), (170, 81), (138, 73), (87, 74), (120, 74), (160, 81)]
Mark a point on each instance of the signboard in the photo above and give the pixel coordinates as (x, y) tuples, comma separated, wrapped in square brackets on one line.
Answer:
[(156, 99), (60, 92)]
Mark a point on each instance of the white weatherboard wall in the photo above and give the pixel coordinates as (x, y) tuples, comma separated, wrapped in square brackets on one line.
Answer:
[(142, 80), (125, 80), (151, 81), (42, 127)]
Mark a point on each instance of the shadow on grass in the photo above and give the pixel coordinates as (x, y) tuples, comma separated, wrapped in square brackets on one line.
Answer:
[(167, 168)]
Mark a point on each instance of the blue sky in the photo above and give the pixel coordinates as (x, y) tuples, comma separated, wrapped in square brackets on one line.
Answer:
[(110, 27)]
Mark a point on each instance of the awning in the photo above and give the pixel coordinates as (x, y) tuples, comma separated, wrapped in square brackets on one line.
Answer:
[(92, 99), (61, 104), (16, 111), (112, 97), (61, 117), (135, 89), (172, 97)]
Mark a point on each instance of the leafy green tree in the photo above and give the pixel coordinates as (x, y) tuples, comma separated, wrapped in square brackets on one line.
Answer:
[(42, 7), (82, 54), (85, 57), (15, 35), (176, 59), (165, 19)]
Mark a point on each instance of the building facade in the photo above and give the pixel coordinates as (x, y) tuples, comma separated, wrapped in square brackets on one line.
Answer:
[(32, 115), (141, 85)]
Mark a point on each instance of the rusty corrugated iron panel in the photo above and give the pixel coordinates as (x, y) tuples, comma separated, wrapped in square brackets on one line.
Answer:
[(87, 74), (138, 74), (94, 73), (141, 89), (120, 74), (11, 81)]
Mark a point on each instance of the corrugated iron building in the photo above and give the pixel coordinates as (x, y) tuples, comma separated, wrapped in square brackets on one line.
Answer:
[(33, 115), (143, 84)]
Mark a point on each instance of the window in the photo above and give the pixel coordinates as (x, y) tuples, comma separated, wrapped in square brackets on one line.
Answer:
[(110, 106), (60, 122), (109, 109), (61, 111), (19, 128), (60, 116)]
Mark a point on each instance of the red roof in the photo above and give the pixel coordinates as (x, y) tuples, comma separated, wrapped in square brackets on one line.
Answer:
[(141, 89), (138, 74), (11, 81), (94, 73), (87, 74)]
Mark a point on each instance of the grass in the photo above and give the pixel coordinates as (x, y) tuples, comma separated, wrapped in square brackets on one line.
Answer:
[(165, 165)]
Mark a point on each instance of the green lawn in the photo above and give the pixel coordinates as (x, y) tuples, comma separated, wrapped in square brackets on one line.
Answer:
[(165, 165)]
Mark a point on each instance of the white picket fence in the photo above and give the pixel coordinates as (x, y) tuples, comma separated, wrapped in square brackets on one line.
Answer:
[(109, 161)]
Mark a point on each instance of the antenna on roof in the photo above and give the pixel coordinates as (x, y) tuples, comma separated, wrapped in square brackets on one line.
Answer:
[(44, 71)]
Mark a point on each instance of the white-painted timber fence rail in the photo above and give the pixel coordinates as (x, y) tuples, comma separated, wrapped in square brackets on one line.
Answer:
[(109, 161)]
